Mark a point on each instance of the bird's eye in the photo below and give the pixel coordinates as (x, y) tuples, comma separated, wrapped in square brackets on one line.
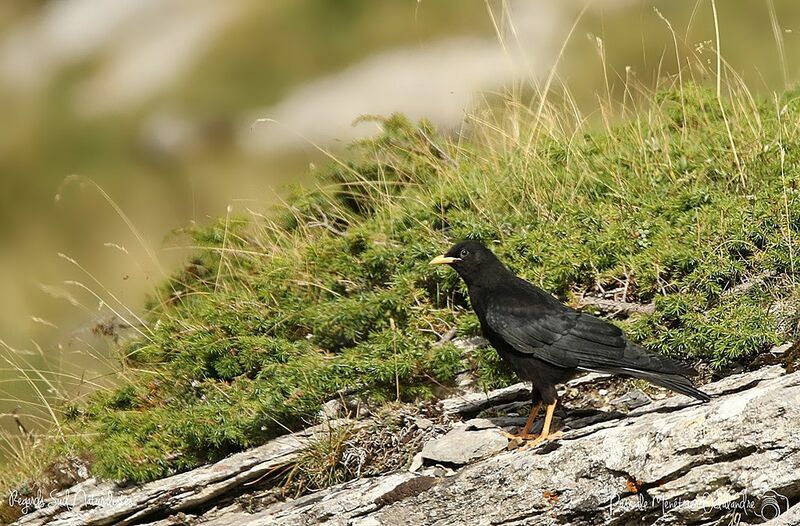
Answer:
[(464, 253)]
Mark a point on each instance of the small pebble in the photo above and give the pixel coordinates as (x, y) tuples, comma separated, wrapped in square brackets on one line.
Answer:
[(416, 463), (423, 423)]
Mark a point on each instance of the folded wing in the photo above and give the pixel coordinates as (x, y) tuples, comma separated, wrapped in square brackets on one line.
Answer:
[(566, 338)]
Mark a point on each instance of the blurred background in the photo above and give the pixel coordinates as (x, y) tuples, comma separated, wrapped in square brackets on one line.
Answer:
[(121, 121)]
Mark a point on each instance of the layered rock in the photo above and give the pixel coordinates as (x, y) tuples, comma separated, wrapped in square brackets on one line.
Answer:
[(672, 461)]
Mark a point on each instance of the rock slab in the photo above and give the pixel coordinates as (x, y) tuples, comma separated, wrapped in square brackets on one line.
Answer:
[(462, 446), (734, 460)]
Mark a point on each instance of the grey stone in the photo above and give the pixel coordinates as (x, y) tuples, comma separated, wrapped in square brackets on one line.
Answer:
[(473, 403), (632, 399), (460, 446), (464, 380), (416, 463), (587, 379), (469, 344), (780, 349), (331, 409), (479, 423), (423, 423)]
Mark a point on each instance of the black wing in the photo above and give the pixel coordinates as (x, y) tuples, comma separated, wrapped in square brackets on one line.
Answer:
[(535, 323)]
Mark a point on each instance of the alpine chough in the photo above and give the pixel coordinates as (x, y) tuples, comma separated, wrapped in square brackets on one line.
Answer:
[(546, 342)]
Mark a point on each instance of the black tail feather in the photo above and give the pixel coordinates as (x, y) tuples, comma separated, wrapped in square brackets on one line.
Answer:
[(675, 382)]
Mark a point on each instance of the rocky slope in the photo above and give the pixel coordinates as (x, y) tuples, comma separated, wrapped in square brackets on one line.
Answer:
[(736, 458)]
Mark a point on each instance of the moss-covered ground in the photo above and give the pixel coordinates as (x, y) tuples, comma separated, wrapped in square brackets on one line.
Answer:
[(675, 199)]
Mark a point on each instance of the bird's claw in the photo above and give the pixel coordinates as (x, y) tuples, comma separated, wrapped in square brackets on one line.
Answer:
[(541, 439), (519, 436)]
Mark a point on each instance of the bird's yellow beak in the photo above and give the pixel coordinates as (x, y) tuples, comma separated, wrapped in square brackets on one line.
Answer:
[(443, 260)]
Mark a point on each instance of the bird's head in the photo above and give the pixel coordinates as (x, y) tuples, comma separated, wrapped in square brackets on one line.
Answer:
[(470, 259)]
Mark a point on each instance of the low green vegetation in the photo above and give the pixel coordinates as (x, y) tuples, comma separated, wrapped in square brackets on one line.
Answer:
[(678, 205)]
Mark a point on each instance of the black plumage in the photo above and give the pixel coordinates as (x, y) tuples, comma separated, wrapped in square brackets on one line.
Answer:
[(546, 342)]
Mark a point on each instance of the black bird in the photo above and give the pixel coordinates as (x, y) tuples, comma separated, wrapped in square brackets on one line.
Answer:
[(546, 342)]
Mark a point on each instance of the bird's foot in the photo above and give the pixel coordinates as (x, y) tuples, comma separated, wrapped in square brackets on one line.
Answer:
[(542, 439), (519, 436), (521, 440)]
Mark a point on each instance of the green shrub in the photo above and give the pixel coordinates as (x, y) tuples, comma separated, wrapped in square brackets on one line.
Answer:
[(334, 292)]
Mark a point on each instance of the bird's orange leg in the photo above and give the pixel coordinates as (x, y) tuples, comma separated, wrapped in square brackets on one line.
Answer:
[(545, 435), (534, 413), (525, 434)]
